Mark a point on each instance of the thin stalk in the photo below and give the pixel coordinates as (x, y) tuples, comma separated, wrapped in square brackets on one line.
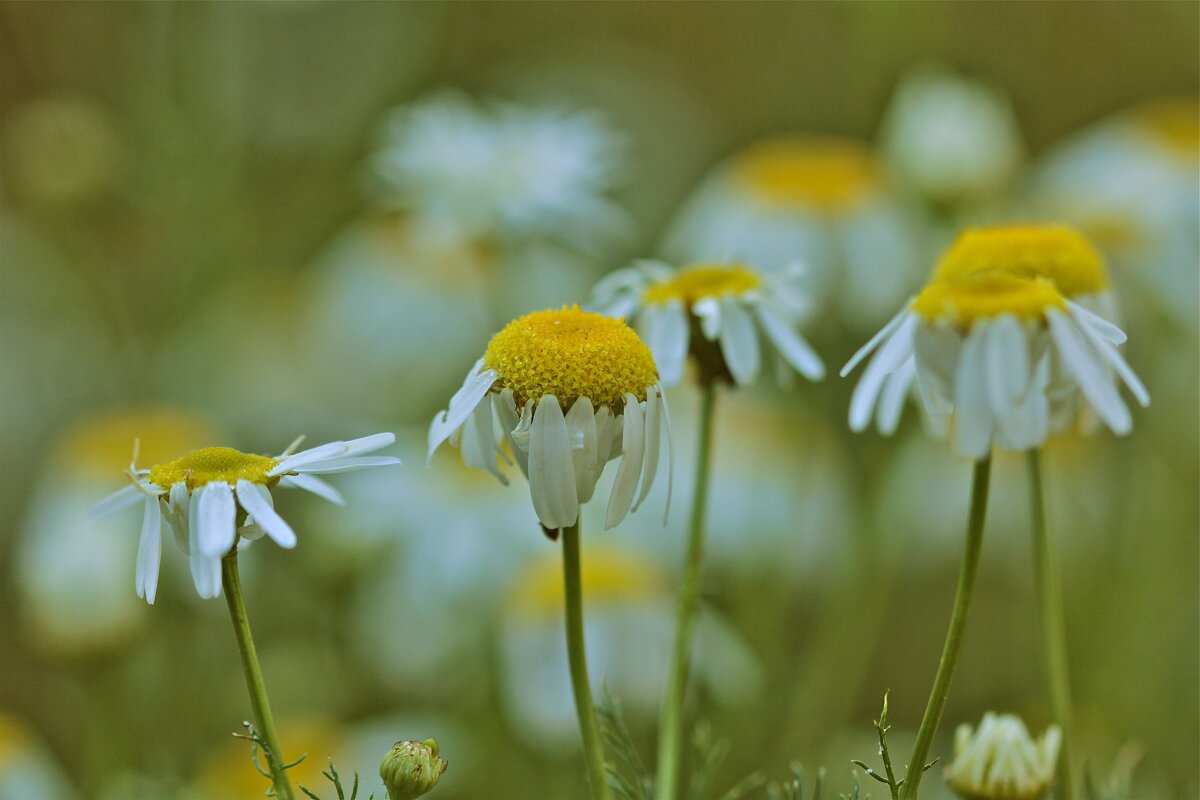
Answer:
[(593, 753), (958, 622), (253, 672), (1054, 638), (671, 725)]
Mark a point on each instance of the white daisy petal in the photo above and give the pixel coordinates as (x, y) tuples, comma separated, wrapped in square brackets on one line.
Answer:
[(117, 501), (258, 503), (178, 501), (739, 341), (551, 472), (149, 551), (1092, 329), (506, 411), (653, 434), (665, 331), (1082, 365), (478, 443), (216, 510), (975, 420), (310, 456), (885, 332), (347, 464), (895, 351), (605, 427), (632, 449), (1102, 327), (1005, 353), (464, 401), (367, 444), (311, 483), (206, 571), (708, 311), (895, 390), (581, 423), (790, 344)]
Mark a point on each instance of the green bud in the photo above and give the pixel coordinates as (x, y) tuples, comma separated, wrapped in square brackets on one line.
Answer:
[(410, 769)]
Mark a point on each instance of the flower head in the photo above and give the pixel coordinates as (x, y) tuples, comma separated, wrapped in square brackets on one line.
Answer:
[(411, 769), (571, 390), (1000, 760), (687, 311), (212, 496), (1004, 351)]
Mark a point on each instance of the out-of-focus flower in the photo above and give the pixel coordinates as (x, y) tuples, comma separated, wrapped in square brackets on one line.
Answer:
[(1132, 183), (60, 149), (952, 139), (630, 613), (821, 200), (727, 303), (72, 571), (212, 496), (228, 772), (411, 769), (26, 767), (498, 170), (1000, 352), (1001, 761), (571, 390)]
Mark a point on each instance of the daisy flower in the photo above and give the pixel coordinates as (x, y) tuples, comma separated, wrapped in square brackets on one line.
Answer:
[(212, 496), (1131, 182), (996, 350), (999, 760), (689, 310), (571, 390), (496, 170), (950, 138), (821, 199)]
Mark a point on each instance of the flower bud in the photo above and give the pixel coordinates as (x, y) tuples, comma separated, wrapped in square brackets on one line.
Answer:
[(410, 769), (1001, 761)]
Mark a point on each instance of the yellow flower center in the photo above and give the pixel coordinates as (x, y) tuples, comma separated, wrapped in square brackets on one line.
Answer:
[(823, 172), (982, 295), (571, 354), (1175, 122), (610, 576), (1057, 253), (703, 280), (214, 464)]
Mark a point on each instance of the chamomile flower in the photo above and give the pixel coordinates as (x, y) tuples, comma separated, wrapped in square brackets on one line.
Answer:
[(571, 390), (498, 170), (689, 310), (819, 199), (998, 351), (1000, 760), (1131, 182), (212, 496)]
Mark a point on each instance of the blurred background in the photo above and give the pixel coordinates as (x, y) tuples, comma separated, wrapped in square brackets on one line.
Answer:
[(231, 223)]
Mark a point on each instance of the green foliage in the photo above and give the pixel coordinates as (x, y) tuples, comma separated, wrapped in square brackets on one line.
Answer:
[(793, 789), (333, 777), (889, 776)]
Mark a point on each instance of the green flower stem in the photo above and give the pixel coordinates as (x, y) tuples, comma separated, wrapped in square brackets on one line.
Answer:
[(1054, 639), (958, 622), (254, 679), (671, 723), (577, 658)]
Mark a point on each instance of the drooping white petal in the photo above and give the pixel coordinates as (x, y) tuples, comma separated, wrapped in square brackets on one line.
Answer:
[(739, 341), (1101, 326), (551, 472), (884, 332), (311, 483), (1090, 325), (975, 422), (666, 418), (177, 515), (653, 434), (1006, 364), (605, 427), (708, 311), (892, 355), (474, 389), (506, 411), (310, 456), (895, 390), (258, 503), (632, 449), (368, 444), (206, 571), (1081, 364), (149, 551), (478, 444), (117, 501), (665, 331), (790, 344), (581, 424), (347, 464), (216, 511)]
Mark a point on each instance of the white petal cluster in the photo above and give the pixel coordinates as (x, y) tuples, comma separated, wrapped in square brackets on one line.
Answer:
[(204, 520), (735, 321), (1008, 382), (499, 169), (562, 455), (1001, 761)]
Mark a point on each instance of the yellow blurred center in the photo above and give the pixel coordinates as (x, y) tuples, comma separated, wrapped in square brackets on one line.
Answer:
[(826, 173), (703, 280), (970, 298), (571, 354), (1173, 122), (609, 577), (102, 444), (1058, 253), (214, 464)]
